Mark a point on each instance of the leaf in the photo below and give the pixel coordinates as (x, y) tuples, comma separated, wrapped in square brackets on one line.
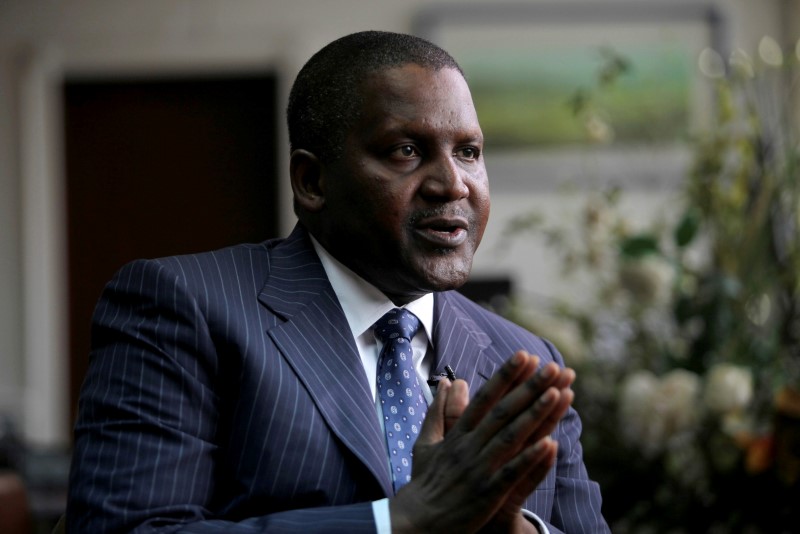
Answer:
[(686, 230), (579, 101), (639, 245), (614, 65)]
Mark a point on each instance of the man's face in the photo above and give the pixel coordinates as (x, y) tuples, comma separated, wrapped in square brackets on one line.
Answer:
[(407, 202)]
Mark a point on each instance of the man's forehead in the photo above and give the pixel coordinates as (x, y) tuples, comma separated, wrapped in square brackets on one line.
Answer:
[(412, 85), (414, 101)]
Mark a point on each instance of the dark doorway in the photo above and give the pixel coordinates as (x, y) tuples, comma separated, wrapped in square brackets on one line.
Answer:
[(157, 167)]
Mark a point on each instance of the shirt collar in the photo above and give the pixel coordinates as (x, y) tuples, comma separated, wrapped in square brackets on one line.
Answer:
[(363, 303)]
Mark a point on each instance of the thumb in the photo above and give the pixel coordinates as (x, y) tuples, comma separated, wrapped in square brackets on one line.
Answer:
[(457, 400), (432, 430)]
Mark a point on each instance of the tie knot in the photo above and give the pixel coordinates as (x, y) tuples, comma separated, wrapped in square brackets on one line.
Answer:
[(397, 323)]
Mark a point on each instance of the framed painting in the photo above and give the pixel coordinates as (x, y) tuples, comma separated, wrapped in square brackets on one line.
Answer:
[(565, 87)]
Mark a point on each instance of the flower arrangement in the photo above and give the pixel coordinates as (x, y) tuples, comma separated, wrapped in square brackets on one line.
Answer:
[(688, 354)]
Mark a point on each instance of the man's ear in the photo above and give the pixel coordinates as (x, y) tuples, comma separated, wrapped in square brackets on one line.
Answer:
[(305, 172)]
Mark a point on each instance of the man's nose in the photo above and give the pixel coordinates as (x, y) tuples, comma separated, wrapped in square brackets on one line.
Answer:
[(445, 180)]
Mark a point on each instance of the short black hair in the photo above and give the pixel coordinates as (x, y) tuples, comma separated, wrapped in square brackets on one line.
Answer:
[(325, 100)]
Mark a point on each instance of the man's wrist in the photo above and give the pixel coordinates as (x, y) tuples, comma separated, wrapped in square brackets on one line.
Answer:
[(534, 520), (519, 524)]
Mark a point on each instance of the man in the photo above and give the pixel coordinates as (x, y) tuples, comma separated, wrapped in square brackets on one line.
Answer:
[(244, 389)]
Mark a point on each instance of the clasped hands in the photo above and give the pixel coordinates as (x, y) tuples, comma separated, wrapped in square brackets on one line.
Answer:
[(476, 462)]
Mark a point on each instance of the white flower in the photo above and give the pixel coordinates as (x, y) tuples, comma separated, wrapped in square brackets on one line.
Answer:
[(741, 63), (647, 279), (612, 336), (655, 410), (770, 51), (567, 338), (636, 404), (599, 130), (678, 396), (711, 64), (728, 388)]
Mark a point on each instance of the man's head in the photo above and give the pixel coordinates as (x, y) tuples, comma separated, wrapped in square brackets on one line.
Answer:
[(325, 100), (403, 198)]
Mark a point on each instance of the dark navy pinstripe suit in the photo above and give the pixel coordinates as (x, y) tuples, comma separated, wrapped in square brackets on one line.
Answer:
[(225, 393)]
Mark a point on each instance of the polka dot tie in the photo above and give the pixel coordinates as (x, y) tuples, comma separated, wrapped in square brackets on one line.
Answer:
[(399, 391)]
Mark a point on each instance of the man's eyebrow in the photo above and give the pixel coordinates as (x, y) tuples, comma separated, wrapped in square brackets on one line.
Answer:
[(471, 138), (474, 137), (409, 130)]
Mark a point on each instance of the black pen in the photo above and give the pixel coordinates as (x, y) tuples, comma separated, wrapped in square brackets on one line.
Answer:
[(450, 373)]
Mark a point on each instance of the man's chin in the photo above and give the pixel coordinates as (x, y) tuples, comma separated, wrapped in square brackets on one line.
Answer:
[(446, 276), (414, 289)]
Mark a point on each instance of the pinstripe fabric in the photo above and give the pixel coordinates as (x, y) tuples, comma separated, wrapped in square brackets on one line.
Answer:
[(567, 501), (225, 393)]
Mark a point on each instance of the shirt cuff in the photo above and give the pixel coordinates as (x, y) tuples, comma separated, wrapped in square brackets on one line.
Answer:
[(383, 522), (533, 518)]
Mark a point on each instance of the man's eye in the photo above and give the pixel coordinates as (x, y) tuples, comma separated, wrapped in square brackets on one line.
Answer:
[(405, 151), (468, 152)]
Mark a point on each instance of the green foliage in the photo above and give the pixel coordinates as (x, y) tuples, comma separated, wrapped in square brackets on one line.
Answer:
[(638, 246), (690, 348), (687, 228)]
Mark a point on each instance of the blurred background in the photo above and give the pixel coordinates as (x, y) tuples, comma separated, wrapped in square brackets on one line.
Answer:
[(643, 164)]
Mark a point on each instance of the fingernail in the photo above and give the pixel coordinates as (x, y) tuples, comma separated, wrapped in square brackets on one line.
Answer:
[(548, 371), (547, 397), (540, 445)]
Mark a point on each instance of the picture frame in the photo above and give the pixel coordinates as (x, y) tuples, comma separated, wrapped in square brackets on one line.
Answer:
[(536, 72)]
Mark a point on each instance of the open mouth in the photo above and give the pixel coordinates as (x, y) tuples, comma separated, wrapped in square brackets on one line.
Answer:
[(443, 232)]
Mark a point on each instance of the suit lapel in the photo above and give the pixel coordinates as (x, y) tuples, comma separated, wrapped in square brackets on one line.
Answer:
[(316, 341), (460, 343)]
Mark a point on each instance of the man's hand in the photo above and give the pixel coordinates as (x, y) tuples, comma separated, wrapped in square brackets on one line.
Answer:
[(509, 518), (474, 463)]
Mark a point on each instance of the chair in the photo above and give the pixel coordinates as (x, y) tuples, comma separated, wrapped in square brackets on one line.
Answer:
[(15, 512)]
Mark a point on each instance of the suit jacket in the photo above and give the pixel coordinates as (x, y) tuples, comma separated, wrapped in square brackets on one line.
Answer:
[(225, 393)]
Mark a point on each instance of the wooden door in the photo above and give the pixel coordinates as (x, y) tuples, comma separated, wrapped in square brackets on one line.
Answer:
[(158, 167)]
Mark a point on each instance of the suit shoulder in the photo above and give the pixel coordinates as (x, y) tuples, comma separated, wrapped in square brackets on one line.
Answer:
[(222, 270), (506, 335), (225, 255), (222, 259), (484, 316)]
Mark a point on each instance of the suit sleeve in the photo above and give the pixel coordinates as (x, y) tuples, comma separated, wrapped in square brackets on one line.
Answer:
[(146, 437), (576, 502)]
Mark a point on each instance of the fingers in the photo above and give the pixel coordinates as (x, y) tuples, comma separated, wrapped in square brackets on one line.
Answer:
[(448, 406), (518, 477), (533, 427), (530, 426), (536, 460), (457, 401), (523, 411), (514, 371), (516, 408), (566, 378), (433, 427), (530, 468), (495, 445)]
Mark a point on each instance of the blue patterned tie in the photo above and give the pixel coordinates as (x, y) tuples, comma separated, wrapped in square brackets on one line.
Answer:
[(402, 402)]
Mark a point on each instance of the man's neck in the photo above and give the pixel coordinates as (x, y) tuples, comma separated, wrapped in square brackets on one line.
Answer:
[(363, 303)]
